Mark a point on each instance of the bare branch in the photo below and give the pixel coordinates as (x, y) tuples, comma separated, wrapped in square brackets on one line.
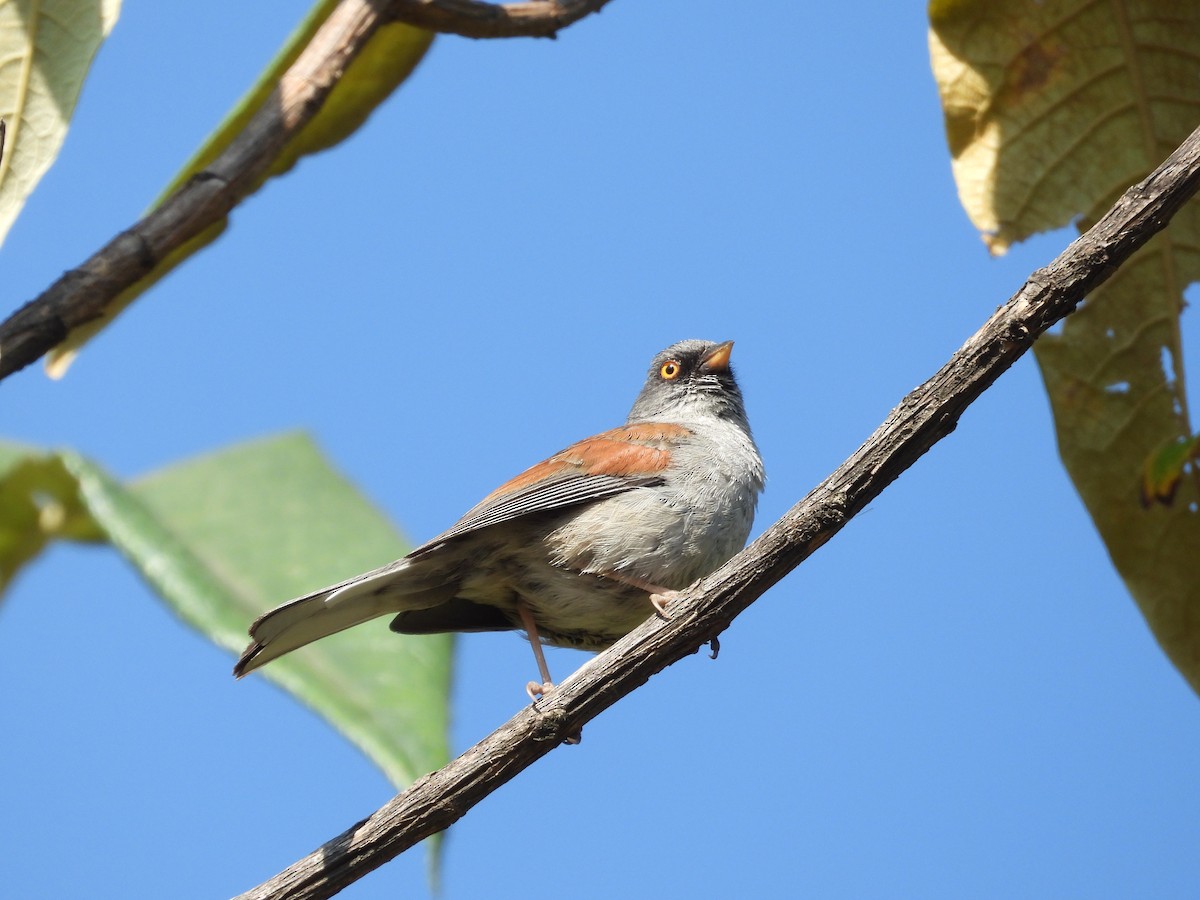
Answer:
[(475, 19), (924, 417), (84, 294)]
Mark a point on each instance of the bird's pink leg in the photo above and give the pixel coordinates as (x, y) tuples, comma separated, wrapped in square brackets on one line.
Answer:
[(533, 689), (659, 596)]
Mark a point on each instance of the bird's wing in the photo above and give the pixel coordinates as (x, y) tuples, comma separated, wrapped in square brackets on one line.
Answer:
[(610, 463)]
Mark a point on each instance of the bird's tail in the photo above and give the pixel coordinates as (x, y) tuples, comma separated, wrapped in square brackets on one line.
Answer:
[(323, 613)]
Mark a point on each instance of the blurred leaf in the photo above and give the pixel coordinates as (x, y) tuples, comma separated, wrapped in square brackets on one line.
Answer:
[(386, 61), (47, 47), (1052, 110), (227, 536)]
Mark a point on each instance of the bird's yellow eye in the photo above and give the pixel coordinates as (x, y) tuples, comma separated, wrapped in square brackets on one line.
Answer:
[(670, 370)]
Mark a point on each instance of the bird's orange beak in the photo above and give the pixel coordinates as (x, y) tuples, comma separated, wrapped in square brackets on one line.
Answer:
[(718, 358)]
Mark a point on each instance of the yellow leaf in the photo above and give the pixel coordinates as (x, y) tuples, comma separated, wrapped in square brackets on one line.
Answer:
[(1052, 109), (47, 47)]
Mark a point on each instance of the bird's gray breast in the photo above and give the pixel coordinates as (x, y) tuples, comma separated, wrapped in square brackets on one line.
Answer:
[(673, 533)]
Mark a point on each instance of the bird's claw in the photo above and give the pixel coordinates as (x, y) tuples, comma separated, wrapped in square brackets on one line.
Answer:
[(537, 691), (660, 599)]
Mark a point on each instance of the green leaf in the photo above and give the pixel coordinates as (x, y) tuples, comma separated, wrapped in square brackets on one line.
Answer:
[(1165, 468), (227, 536), (387, 60), (47, 47), (230, 535), (1052, 110)]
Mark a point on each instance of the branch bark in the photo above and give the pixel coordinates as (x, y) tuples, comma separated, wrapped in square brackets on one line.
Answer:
[(925, 416), (475, 19)]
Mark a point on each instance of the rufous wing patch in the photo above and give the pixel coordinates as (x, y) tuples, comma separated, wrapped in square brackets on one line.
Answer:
[(629, 451)]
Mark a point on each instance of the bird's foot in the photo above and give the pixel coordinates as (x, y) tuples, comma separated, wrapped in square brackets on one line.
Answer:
[(537, 691), (660, 599)]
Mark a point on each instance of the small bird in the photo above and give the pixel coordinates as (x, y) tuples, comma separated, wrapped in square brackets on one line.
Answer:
[(580, 549)]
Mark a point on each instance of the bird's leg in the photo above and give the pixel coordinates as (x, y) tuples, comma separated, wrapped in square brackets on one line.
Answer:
[(533, 689), (659, 596)]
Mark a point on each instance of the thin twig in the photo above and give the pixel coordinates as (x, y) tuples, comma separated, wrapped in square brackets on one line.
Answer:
[(475, 19), (925, 416)]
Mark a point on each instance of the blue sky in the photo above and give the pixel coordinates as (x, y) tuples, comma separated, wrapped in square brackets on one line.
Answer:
[(954, 697)]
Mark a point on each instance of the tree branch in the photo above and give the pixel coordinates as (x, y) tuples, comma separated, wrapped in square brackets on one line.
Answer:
[(86, 293), (925, 416), (475, 19)]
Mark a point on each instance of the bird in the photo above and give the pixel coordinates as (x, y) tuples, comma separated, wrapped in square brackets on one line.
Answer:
[(580, 549)]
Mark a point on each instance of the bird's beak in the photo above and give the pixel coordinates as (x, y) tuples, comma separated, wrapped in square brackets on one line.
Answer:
[(718, 358)]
